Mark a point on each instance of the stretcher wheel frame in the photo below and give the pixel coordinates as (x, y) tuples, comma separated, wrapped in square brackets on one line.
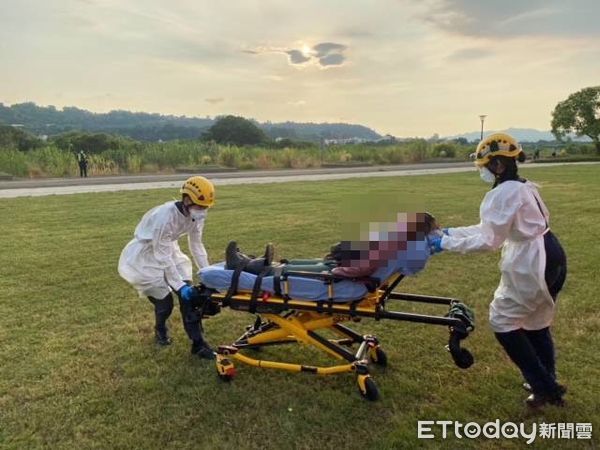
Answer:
[(378, 356), (367, 387)]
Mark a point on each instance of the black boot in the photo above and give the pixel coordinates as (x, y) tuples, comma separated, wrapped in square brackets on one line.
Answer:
[(162, 311), (162, 336), (202, 350), (538, 400)]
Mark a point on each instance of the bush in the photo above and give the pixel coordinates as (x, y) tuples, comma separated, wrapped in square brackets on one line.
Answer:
[(135, 157), (11, 137), (54, 162), (444, 150), (393, 155), (134, 164), (13, 162), (100, 165), (417, 150), (229, 157)]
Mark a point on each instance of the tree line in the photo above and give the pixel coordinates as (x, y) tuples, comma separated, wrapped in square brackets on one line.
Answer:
[(48, 120)]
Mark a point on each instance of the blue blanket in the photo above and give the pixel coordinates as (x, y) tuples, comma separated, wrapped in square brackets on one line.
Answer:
[(408, 262)]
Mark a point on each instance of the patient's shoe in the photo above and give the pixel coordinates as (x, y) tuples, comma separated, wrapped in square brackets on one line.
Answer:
[(234, 258)]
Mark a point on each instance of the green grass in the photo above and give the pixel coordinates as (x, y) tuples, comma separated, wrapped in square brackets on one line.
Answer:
[(78, 367)]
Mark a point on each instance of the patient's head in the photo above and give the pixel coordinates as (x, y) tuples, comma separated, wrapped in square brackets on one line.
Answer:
[(416, 225)]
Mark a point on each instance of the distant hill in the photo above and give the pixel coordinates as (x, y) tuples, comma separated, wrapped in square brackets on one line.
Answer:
[(48, 120), (521, 134)]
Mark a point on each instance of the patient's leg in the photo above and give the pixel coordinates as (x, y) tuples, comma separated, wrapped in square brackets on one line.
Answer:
[(310, 265)]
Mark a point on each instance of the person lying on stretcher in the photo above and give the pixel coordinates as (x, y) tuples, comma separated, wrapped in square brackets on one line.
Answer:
[(355, 259)]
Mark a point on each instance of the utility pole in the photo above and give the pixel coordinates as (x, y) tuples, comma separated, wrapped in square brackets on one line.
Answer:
[(482, 118)]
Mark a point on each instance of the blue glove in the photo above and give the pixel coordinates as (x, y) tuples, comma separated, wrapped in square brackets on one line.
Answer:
[(435, 244), (445, 231), (187, 293)]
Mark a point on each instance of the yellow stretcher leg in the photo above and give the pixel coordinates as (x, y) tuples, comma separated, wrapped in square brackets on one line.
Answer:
[(293, 367)]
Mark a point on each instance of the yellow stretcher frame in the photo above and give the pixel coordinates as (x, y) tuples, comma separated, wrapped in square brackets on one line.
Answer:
[(282, 320)]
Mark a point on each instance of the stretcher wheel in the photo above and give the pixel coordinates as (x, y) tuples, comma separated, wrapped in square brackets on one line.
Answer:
[(464, 359), (378, 356), (367, 387)]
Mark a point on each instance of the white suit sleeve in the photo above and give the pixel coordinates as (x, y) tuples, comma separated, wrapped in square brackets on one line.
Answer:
[(461, 232), (163, 252), (197, 247), (497, 213)]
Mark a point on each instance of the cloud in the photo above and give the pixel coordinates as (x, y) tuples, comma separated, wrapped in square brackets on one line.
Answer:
[(214, 100), (297, 103), (323, 54), (327, 48), (329, 54), (515, 18), (297, 57), (335, 59)]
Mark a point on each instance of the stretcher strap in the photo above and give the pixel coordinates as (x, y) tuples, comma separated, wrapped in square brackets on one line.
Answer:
[(353, 306), (235, 279), (277, 279), (256, 289), (330, 304)]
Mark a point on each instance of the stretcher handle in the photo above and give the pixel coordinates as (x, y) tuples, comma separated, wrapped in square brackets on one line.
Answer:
[(422, 298), (419, 318)]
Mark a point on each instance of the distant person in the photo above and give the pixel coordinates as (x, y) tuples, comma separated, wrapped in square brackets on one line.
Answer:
[(82, 160), (533, 265), (536, 154), (153, 263)]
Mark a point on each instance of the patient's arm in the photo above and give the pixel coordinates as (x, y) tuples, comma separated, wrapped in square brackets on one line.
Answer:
[(353, 272)]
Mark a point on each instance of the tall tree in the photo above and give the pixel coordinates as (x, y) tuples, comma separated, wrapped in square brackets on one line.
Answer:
[(235, 130), (579, 114)]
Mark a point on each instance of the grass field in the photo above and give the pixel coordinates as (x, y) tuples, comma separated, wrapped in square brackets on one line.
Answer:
[(78, 367)]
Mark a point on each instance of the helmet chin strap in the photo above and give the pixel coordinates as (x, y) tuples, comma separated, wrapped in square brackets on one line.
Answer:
[(185, 207), (490, 166)]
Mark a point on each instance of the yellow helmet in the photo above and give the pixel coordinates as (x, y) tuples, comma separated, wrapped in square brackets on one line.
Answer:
[(497, 144), (200, 190)]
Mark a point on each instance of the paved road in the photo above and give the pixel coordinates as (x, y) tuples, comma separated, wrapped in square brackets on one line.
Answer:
[(63, 186)]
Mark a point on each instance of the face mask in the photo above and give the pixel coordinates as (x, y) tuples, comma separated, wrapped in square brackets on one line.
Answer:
[(486, 175), (197, 214)]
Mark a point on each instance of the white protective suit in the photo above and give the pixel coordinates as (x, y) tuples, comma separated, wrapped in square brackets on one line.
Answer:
[(511, 218), (152, 261)]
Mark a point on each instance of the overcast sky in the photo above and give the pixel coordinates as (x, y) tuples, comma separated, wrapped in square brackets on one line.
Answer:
[(409, 68)]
